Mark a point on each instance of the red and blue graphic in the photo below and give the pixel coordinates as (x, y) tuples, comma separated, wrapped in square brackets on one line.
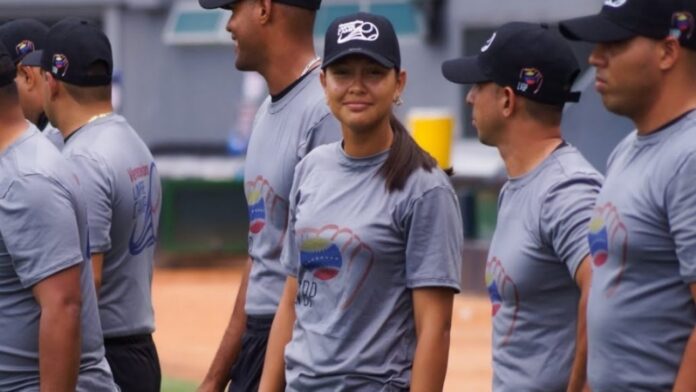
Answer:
[(24, 48), (330, 251), (265, 207), (683, 25), (257, 211), (531, 80), (60, 65), (147, 200), (502, 291), (606, 227), (321, 257)]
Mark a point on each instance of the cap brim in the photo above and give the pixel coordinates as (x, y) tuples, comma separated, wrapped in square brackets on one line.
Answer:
[(594, 28), (213, 4), (359, 52), (33, 59), (464, 70)]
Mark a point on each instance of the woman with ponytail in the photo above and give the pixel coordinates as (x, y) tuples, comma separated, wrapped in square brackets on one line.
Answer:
[(374, 240)]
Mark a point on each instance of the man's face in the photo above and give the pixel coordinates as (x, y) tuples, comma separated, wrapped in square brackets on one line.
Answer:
[(484, 99), (30, 87), (245, 31), (628, 75)]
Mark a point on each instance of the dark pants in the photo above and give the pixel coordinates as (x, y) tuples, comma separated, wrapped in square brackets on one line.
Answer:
[(134, 363), (246, 372)]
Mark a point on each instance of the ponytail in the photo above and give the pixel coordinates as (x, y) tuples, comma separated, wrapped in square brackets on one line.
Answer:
[(405, 157)]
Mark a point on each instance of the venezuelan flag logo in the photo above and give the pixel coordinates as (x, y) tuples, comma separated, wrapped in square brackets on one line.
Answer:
[(24, 48), (321, 257)]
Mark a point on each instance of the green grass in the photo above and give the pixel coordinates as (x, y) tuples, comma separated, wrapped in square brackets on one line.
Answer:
[(172, 385)]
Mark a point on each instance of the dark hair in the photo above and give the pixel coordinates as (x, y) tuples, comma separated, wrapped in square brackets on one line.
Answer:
[(405, 157), (86, 95), (9, 94)]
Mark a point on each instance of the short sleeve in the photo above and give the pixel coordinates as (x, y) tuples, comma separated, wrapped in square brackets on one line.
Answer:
[(680, 203), (565, 216), (289, 257), (434, 241), (39, 228), (327, 130), (96, 182)]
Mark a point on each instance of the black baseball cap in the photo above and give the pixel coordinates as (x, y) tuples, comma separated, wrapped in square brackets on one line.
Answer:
[(8, 71), (23, 39), (312, 5), (529, 58), (365, 34), (620, 20), (72, 47)]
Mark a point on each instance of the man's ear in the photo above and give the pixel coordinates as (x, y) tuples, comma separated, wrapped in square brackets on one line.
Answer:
[(508, 101), (52, 84), (265, 7)]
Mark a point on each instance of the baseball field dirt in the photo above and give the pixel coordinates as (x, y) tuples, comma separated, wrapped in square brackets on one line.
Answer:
[(192, 307)]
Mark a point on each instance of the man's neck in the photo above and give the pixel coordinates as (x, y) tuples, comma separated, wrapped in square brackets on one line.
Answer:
[(287, 66), (671, 102), (527, 150), (12, 126), (79, 116)]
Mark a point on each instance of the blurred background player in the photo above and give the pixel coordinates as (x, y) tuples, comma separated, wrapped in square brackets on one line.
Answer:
[(641, 310), (273, 38), (538, 269), (51, 339), (24, 39), (373, 251), (122, 192)]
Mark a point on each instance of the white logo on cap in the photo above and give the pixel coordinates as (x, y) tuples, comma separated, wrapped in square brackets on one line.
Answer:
[(615, 3), (357, 30), (488, 43)]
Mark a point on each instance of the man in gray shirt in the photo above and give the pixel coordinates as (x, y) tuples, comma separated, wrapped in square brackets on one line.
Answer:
[(274, 39), (538, 271), (51, 338), (122, 191), (25, 38), (641, 311)]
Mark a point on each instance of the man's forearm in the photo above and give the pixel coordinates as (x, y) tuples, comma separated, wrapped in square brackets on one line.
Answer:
[(59, 347), (219, 372), (686, 378)]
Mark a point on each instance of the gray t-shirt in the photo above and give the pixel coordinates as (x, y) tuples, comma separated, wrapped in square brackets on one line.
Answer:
[(284, 132), (358, 251), (54, 136), (43, 230), (643, 241), (123, 194), (539, 241)]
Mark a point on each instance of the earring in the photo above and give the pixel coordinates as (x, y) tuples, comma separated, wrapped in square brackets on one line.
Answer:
[(398, 101)]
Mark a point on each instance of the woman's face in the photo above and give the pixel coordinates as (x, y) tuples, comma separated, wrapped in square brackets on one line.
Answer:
[(360, 92)]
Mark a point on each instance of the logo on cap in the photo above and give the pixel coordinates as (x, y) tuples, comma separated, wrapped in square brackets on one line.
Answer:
[(615, 3), (488, 43), (25, 47), (60, 65), (531, 80), (357, 30), (682, 25)]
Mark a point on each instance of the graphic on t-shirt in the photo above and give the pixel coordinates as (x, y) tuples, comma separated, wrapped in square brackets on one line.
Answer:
[(146, 203), (265, 207), (606, 227), (321, 257), (331, 252), (502, 289)]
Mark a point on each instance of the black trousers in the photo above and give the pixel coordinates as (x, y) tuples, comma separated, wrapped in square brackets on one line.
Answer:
[(134, 363), (246, 372)]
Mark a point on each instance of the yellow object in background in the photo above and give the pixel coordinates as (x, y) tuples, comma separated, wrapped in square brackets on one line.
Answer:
[(432, 129)]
